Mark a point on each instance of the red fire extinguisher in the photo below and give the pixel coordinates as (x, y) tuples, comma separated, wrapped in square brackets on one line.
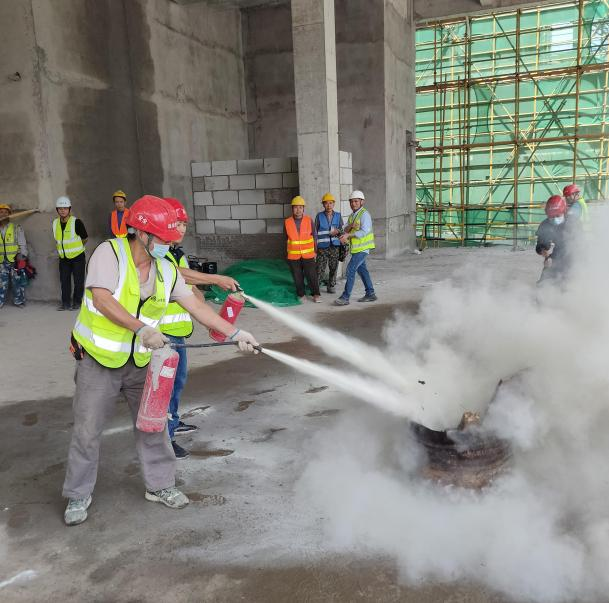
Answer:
[(152, 414), (231, 308)]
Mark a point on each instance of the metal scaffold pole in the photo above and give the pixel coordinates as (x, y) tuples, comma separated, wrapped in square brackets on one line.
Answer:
[(512, 106)]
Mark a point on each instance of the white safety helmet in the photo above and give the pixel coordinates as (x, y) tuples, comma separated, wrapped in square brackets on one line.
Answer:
[(357, 195), (63, 202)]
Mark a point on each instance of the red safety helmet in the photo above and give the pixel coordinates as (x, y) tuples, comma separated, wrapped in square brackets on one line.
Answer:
[(570, 189), (155, 216), (180, 209), (556, 206)]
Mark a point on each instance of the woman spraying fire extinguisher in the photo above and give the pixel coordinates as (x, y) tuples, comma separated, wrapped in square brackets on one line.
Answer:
[(177, 325)]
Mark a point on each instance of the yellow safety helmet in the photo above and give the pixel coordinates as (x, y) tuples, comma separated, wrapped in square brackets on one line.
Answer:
[(298, 201), (119, 194), (5, 206), (328, 197)]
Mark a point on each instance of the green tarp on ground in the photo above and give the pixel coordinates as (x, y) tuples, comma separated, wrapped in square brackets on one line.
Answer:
[(267, 280)]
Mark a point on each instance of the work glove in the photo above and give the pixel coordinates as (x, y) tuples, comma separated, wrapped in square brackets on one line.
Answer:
[(151, 338), (245, 340)]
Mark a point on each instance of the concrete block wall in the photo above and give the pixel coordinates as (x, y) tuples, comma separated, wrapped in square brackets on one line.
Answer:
[(243, 196), (240, 205)]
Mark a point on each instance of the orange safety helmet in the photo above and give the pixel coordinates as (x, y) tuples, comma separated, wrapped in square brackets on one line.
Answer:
[(556, 206), (156, 217), (179, 208)]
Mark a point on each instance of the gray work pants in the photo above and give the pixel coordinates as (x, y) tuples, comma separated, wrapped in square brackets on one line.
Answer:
[(97, 391)]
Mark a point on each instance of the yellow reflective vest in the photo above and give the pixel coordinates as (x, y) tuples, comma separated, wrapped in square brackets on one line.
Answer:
[(177, 321), (69, 244), (110, 344), (367, 241), (9, 247), (584, 208)]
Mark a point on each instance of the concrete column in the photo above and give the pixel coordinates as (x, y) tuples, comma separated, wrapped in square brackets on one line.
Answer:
[(375, 46), (400, 109), (316, 98)]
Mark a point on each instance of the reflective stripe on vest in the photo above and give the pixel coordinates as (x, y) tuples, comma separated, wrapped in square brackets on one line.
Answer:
[(119, 230), (9, 247), (110, 344), (324, 239), (69, 244), (300, 243), (177, 321), (367, 241)]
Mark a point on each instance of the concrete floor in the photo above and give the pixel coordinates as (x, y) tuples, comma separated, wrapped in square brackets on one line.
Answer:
[(246, 535)]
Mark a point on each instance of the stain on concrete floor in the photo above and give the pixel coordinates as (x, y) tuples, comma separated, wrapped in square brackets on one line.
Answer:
[(205, 452), (244, 405), (31, 418), (316, 390)]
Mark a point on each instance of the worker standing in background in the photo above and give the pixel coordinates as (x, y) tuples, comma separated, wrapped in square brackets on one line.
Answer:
[(551, 239), (301, 250), (576, 206), (70, 237), (328, 227), (129, 286), (177, 325), (359, 235), (13, 250), (118, 217)]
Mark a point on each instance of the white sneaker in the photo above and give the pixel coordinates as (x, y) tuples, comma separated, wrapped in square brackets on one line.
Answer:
[(76, 511), (170, 497)]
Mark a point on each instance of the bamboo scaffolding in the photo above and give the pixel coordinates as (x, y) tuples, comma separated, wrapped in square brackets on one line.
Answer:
[(465, 59)]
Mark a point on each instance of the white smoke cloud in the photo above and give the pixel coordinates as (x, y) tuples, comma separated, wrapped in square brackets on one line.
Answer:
[(541, 531)]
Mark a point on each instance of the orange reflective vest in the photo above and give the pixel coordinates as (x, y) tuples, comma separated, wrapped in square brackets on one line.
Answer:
[(300, 244), (119, 230)]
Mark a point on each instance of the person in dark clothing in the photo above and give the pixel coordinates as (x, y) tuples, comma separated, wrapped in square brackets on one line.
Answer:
[(70, 238), (552, 240)]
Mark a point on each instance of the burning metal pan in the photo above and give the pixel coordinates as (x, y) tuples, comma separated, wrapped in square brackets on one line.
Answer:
[(466, 456)]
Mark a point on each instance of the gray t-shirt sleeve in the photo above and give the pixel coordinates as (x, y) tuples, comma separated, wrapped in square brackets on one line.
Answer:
[(102, 270), (181, 289)]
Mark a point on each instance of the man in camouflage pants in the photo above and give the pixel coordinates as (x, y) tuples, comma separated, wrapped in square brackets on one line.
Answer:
[(328, 227), (13, 248)]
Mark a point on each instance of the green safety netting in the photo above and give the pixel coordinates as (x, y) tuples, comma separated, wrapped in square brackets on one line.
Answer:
[(267, 280), (511, 107)]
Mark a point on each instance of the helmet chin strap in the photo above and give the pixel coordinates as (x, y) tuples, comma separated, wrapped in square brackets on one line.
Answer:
[(147, 243)]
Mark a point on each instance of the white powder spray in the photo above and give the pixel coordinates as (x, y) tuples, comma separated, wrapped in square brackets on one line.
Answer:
[(358, 386), (342, 346), (541, 532)]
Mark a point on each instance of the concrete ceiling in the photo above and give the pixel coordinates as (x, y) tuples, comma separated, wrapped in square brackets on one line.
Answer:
[(232, 3), (436, 9), (423, 9)]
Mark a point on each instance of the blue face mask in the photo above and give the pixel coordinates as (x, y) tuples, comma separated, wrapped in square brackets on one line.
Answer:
[(159, 251), (558, 220)]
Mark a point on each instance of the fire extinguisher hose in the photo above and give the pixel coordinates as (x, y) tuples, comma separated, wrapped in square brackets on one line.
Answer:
[(175, 346)]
